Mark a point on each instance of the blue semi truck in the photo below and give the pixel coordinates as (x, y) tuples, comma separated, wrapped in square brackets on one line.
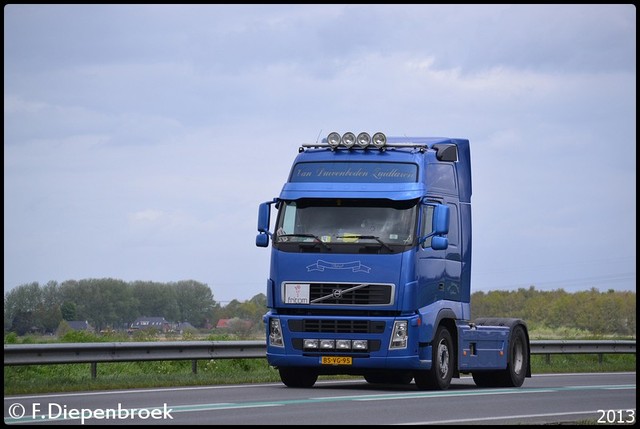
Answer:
[(370, 270)]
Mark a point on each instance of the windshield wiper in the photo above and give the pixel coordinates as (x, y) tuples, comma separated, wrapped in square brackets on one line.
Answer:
[(315, 237), (366, 237)]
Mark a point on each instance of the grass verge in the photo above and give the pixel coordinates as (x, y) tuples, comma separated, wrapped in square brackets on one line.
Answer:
[(31, 379)]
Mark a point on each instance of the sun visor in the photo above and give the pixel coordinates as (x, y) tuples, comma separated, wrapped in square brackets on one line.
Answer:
[(392, 191)]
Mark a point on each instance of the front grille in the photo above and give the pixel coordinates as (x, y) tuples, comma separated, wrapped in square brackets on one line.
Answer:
[(337, 326), (350, 294)]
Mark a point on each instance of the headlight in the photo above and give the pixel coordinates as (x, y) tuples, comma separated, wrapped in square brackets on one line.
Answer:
[(275, 333), (399, 335)]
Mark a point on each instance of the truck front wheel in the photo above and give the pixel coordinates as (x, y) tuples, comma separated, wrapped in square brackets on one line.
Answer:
[(298, 377), (441, 372)]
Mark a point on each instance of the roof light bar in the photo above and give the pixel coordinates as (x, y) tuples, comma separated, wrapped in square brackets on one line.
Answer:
[(362, 141)]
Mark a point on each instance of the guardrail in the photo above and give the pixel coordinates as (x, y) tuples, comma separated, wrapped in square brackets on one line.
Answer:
[(549, 347), (93, 353)]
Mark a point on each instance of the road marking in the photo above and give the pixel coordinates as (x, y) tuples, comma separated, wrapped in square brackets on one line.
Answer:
[(519, 417)]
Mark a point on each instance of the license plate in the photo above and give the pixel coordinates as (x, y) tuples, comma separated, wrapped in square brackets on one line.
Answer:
[(336, 360)]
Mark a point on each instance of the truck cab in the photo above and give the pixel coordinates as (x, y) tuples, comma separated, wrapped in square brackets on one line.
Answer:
[(370, 268)]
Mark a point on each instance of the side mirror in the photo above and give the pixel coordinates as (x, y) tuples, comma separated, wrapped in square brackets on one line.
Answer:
[(262, 240), (441, 220), (437, 239), (439, 243), (264, 218), (264, 213)]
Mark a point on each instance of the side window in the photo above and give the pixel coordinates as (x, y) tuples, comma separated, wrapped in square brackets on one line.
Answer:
[(453, 235), (442, 177), (427, 225), (289, 221)]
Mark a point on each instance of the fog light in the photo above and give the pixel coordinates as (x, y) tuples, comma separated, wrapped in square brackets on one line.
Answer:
[(310, 344), (343, 344), (327, 344), (359, 344)]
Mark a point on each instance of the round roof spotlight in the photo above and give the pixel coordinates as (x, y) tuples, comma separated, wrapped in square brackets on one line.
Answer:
[(348, 139), (333, 139), (363, 140), (379, 140)]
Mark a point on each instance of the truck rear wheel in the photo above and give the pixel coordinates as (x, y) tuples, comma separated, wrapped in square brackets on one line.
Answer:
[(518, 358), (517, 365), (441, 372), (297, 377)]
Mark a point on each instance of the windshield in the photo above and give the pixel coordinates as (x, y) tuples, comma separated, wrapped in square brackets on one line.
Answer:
[(377, 222)]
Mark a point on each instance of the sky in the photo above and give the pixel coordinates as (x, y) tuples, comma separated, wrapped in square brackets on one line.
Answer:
[(139, 140)]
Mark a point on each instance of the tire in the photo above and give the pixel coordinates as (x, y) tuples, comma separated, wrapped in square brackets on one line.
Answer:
[(517, 365), (298, 377), (443, 361)]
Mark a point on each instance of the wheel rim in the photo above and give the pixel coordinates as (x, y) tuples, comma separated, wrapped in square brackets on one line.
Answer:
[(443, 358), (518, 357)]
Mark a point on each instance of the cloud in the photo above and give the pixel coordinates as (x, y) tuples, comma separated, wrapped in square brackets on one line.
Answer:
[(140, 139)]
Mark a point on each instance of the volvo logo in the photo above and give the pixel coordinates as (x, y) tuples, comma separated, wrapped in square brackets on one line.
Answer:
[(337, 293)]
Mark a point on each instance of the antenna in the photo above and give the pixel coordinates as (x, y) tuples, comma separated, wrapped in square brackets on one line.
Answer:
[(319, 134)]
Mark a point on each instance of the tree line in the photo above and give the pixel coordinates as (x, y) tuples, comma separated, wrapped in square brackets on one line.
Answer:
[(114, 304), (610, 312), (111, 304)]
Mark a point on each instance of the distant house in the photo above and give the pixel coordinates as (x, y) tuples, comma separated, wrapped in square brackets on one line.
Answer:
[(79, 325), (234, 323), (159, 323), (222, 324), (181, 327)]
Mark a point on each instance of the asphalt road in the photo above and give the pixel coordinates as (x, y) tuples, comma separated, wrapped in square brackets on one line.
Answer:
[(606, 398)]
